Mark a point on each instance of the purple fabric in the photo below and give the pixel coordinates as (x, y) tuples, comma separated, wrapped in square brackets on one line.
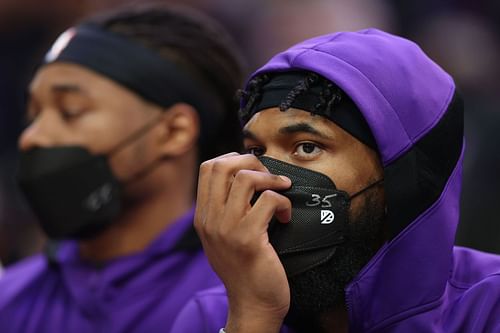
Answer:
[(419, 281), (137, 293), (400, 103), (206, 313)]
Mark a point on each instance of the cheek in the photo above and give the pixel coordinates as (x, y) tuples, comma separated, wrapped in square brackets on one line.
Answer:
[(341, 172), (351, 171), (132, 158), (105, 131)]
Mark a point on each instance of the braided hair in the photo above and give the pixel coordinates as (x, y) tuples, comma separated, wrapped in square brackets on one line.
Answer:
[(302, 87), (196, 44), (251, 95), (329, 95)]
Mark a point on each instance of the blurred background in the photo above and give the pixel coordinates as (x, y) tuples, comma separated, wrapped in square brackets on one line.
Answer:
[(463, 36)]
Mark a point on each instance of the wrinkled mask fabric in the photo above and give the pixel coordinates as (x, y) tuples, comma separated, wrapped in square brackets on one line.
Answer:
[(73, 193), (319, 217)]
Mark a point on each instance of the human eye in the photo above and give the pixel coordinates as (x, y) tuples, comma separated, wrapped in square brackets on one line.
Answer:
[(72, 106), (307, 150), (70, 113), (255, 150)]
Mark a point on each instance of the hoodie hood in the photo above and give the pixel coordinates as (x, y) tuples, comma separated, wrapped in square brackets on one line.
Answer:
[(416, 117)]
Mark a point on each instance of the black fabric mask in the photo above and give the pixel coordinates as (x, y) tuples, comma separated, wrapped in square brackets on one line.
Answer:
[(319, 217), (73, 193)]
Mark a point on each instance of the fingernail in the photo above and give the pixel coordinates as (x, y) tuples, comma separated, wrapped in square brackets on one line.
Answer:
[(285, 179)]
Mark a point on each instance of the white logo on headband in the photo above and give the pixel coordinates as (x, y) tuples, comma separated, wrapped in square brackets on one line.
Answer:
[(60, 44)]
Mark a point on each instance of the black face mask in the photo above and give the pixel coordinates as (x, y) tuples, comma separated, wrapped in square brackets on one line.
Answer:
[(319, 217), (73, 193)]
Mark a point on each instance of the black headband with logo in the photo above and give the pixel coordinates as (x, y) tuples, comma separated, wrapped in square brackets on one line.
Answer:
[(321, 97), (135, 67)]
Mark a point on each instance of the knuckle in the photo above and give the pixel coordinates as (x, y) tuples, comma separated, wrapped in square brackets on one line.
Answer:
[(231, 154), (250, 158), (220, 166), (205, 167), (254, 162), (277, 179), (269, 195), (243, 177), (220, 228)]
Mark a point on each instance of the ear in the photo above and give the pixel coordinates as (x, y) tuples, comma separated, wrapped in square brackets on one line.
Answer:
[(180, 130)]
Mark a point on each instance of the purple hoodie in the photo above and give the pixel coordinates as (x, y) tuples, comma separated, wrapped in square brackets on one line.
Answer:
[(418, 281), (138, 293)]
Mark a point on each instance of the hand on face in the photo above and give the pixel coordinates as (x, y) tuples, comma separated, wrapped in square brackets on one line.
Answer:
[(234, 232), (235, 239)]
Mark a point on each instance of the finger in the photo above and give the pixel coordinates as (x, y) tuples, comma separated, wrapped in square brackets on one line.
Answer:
[(202, 197), (268, 205), (246, 183), (205, 174), (223, 173)]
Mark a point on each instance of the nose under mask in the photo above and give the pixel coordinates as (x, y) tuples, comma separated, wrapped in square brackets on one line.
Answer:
[(319, 217), (73, 192)]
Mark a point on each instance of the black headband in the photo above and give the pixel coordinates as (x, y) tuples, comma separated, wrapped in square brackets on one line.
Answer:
[(135, 67), (321, 97)]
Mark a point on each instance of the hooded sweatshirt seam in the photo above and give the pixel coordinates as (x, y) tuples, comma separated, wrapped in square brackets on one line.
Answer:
[(400, 151), (419, 219), (442, 110), (301, 49), (200, 309), (28, 282), (426, 306), (466, 285), (422, 217), (411, 312), (458, 285), (305, 49)]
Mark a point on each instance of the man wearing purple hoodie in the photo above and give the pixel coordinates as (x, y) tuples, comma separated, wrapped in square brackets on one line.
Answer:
[(121, 112), (342, 217)]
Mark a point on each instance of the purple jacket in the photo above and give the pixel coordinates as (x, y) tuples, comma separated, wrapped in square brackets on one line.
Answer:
[(139, 293), (418, 281)]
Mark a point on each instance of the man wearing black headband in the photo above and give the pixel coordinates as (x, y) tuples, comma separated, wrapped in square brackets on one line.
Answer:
[(342, 217), (120, 114)]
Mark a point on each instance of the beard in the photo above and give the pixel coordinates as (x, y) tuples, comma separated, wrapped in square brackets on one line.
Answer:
[(321, 289)]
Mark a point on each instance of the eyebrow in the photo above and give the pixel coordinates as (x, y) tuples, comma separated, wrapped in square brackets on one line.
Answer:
[(303, 128), (249, 135), (291, 129), (68, 88)]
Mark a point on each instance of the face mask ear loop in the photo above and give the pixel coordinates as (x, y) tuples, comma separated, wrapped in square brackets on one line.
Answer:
[(131, 138), (366, 188), (135, 135), (144, 172)]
